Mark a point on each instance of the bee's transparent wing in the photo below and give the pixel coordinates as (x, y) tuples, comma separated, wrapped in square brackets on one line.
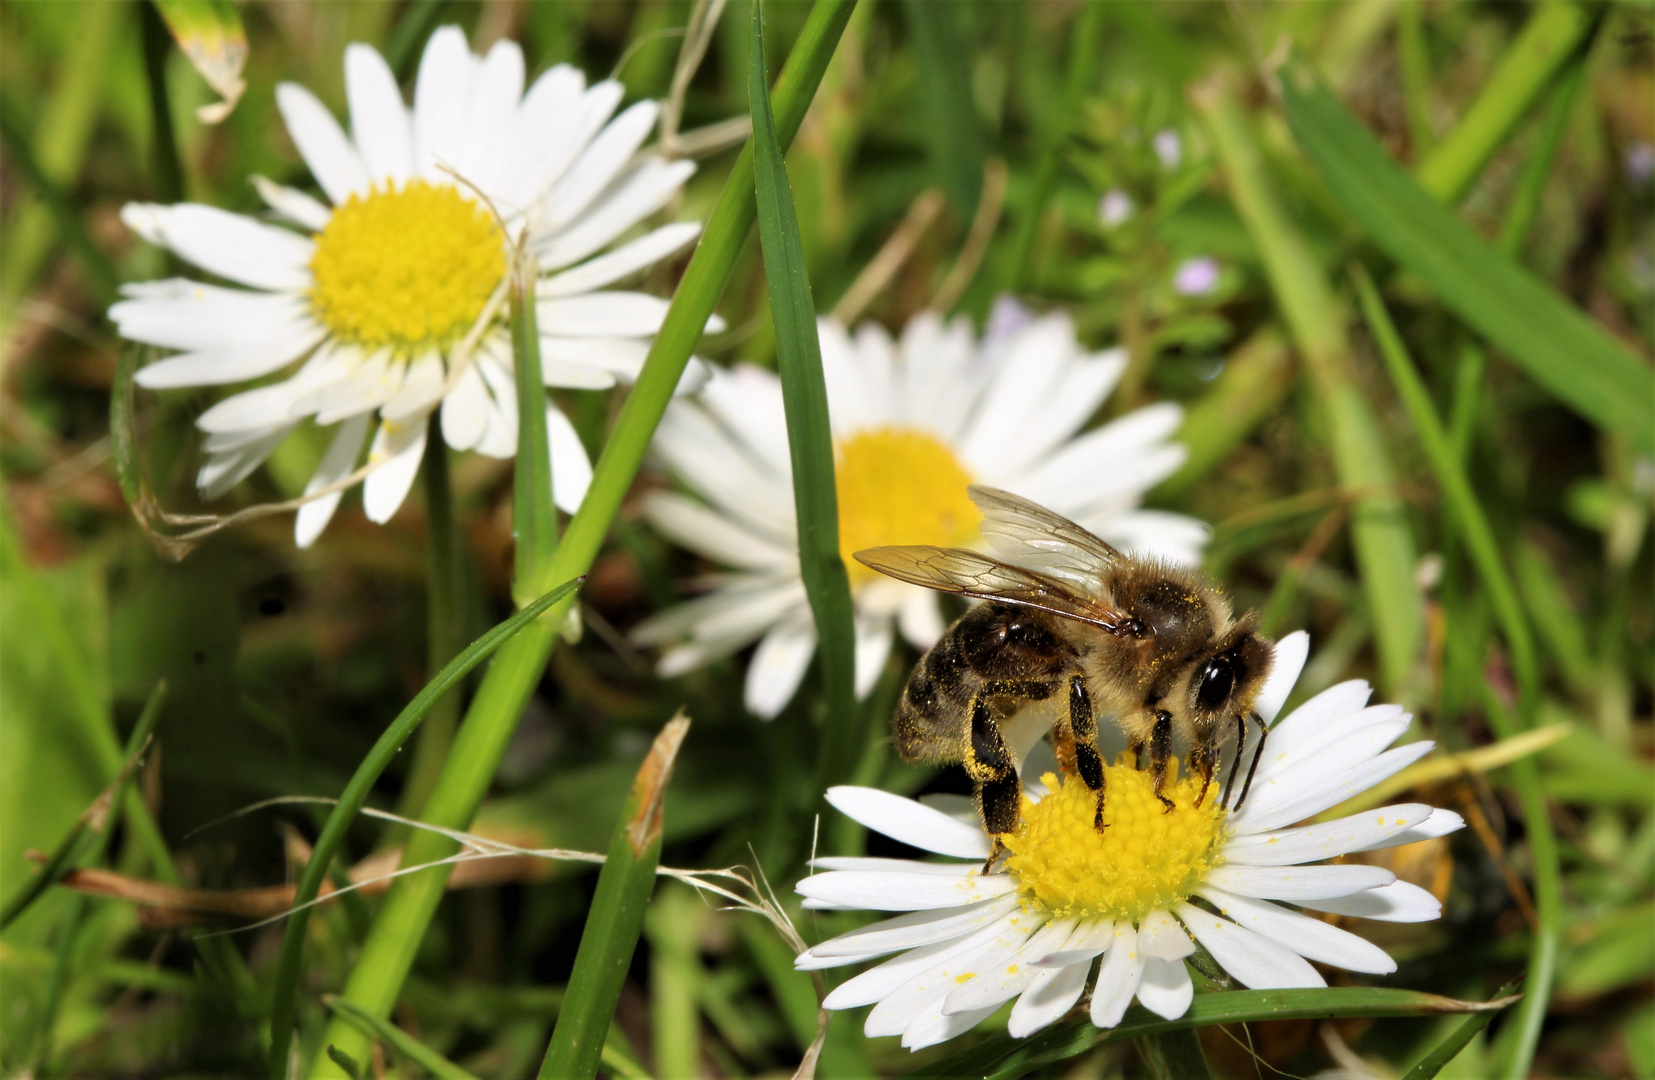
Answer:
[(1033, 536), (968, 573)]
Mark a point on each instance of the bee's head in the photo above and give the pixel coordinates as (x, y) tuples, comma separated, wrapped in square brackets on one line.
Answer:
[(1227, 680)]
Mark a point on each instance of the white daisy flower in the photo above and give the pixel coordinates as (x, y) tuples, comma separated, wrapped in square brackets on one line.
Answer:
[(393, 296), (915, 421), (1141, 892)]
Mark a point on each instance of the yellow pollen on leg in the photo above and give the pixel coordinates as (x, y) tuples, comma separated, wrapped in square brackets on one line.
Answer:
[(1145, 860), (899, 485), (406, 268)]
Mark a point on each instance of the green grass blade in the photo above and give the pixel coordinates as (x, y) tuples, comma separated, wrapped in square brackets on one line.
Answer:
[(1380, 532), (1001, 1057), (1256, 377), (388, 953), (1558, 346), (1551, 37), (397, 1039), (95, 820), (804, 399), (615, 918), (947, 103), (534, 515), (1447, 1050), (65, 217), (1502, 593), (355, 795)]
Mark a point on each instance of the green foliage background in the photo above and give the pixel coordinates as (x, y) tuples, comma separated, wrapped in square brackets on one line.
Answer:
[(1493, 579)]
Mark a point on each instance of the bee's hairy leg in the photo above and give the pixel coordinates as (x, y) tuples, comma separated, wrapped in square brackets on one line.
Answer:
[(1203, 757), (998, 850), (989, 762), (1241, 749), (1247, 786), (1083, 726), (1160, 752)]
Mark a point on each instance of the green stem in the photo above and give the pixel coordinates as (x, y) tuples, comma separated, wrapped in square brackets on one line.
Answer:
[(356, 792), (1525, 203), (389, 950), (1502, 593), (615, 918), (1552, 35), (1414, 63), (444, 621), (166, 166), (1083, 54), (1447, 1050)]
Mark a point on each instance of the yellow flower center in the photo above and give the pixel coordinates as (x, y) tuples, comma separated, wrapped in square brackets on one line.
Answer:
[(899, 486), (406, 268), (1146, 859)]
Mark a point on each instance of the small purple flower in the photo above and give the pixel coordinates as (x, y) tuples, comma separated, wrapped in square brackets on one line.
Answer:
[(1115, 208), (1008, 317), (1196, 277), (1169, 148)]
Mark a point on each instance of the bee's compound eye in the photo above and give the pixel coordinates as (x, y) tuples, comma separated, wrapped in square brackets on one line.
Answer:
[(1217, 681)]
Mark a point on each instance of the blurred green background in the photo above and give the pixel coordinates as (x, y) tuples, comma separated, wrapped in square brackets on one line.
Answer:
[(284, 665)]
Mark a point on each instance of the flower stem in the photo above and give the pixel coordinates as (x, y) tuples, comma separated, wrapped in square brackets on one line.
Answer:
[(444, 622)]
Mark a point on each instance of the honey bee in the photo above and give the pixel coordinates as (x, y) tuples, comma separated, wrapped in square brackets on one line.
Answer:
[(1155, 648)]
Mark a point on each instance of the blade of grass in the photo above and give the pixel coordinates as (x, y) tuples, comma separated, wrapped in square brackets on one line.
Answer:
[(1001, 1057), (351, 800), (1414, 65), (388, 952), (1175, 1055), (1508, 610), (94, 821), (1250, 388), (1380, 532), (615, 918), (65, 217), (1552, 341), (804, 400), (956, 139), (1537, 168), (397, 1039), (1447, 1050), (165, 166), (1552, 35)]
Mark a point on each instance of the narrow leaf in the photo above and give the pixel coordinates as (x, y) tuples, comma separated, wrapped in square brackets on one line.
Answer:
[(1441, 1054), (615, 918), (394, 1037), (1558, 346), (804, 399), (351, 799), (947, 103)]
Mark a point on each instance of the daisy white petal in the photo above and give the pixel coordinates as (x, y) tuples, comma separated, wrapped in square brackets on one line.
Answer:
[(910, 930), (1118, 977), (331, 158), (898, 1009), (336, 464), (293, 204), (1400, 901), (742, 612), (442, 101), (935, 1025), (606, 314), (465, 410), (1052, 993), (1331, 793), (691, 525), (571, 468), (910, 822), (1125, 455), (991, 987), (1089, 940), (747, 401), (379, 121), (1291, 653), (874, 636), (1440, 823), (494, 96), (1359, 832), (399, 447), (1299, 882), (1256, 962), (778, 666), (903, 892), (920, 619), (500, 436), (251, 409), (883, 979), (625, 260), (226, 244), (221, 472), (1310, 938), (422, 388), (544, 130), (1160, 936), (1165, 988), (1021, 385), (600, 163)]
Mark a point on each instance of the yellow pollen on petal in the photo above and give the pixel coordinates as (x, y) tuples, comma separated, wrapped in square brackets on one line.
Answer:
[(1145, 860), (899, 485), (406, 268)]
